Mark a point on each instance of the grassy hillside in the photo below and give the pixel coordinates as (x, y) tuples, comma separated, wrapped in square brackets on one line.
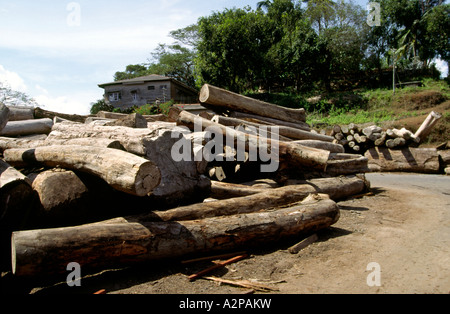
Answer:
[(408, 108)]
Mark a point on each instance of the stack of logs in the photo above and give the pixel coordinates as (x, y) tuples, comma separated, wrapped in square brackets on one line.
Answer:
[(394, 149), (359, 139), (107, 191)]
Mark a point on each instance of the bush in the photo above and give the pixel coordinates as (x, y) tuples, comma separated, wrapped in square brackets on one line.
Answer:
[(151, 109), (101, 105)]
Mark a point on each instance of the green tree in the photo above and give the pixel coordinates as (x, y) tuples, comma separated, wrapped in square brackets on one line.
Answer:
[(132, 71), (232, 46), (175, 60), (342, 30)]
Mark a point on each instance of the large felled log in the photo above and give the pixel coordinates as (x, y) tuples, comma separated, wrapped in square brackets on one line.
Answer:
[(422, 160), (27, 127), (289, 152), (18, 113), (331, 147), (181, 182), (40, 113), (222, 98), (123, 171), (266, 120), (4, 116), (16, 202), (249, 127), (134, 120), (427, 125), (122, 243), (336, 188), (64, 199), (341, 164), (6, 143)]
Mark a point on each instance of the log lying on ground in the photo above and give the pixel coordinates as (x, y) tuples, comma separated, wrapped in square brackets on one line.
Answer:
[(134, 120), (291, 153), (422, 160), (427, 125), (64, 198), (116, 115), (331, 147), (4, 115), (181, 182), (211, 95), (123, 171), (16, 202), (40, 113), (252, 127), (6, 142), (265, 120), (122, 243), (336, 188), (342, 163), (18, 113), (27, 127)]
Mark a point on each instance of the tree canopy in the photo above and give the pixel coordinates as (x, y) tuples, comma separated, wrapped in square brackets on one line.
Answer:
[(293, 45)]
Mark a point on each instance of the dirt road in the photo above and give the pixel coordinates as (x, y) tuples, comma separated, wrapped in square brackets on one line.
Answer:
[(402, 232)]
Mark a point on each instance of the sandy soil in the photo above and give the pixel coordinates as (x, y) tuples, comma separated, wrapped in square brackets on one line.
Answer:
[(404, 227)]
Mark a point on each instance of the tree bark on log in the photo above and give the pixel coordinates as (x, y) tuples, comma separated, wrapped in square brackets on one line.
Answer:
[(17, 200), (41, 113), (427, 125), (20, 113), (181, 182), (289, 152), (134, 120), (7, 143), (123, 171), (331, 147), (211, 95), (27, 127), (336, 188), (4, 115), (123, 243), (342, 164), (234, 122), (266, 120), (422, 160)]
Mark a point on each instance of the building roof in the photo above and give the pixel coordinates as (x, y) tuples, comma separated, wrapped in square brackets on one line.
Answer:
[(145, 79), (140, 79)]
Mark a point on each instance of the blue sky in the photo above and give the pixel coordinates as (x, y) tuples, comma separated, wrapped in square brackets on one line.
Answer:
[(58, 51)]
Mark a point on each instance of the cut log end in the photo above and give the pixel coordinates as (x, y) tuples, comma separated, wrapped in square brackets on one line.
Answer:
[(147, 179)]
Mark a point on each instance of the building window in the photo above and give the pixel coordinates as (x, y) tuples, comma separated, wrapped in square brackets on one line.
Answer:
[(116, 96), (163, 87), (134, 95), (151, 87)]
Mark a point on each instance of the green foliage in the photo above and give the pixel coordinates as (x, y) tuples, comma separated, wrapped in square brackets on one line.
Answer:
[(288, 48), (151, 109), (100, 105)]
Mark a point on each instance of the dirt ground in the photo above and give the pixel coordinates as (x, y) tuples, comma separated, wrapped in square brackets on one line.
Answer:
[(404, 227)]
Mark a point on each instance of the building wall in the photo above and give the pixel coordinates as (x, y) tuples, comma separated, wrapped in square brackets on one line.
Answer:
[(139, 94)]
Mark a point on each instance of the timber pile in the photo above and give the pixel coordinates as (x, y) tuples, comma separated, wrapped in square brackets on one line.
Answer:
[(112, 190), (393, 150), (359, 139)]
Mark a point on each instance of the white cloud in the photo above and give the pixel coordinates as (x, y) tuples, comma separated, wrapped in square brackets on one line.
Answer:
[(442, 66), (12, 79), (71, 104)]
